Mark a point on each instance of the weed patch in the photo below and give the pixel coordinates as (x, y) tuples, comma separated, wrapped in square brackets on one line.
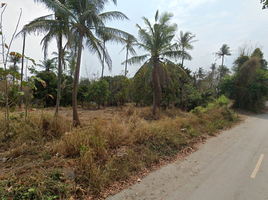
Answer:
[(105, 150)]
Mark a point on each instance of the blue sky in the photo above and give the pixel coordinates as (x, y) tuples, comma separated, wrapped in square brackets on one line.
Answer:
[(214, 22)]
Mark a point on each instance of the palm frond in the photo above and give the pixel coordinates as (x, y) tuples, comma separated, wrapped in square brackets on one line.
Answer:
[(172, 67), (113, 15), (177, 54), (136, 59)]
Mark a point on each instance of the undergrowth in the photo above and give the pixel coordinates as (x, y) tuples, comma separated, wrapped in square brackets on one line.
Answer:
[(103, 151)]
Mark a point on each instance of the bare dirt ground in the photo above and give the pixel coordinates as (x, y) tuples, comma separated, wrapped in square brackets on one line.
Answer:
[(85, 114)]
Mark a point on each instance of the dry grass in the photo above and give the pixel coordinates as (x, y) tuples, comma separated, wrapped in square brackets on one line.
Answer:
[(110, 147)]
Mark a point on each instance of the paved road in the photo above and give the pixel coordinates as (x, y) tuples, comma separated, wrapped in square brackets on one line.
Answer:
[(231, 166)]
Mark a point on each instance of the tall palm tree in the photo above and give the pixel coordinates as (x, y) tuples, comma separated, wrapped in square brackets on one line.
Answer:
[(224, 51), (185, 41), (88, 17), (55, 26), (156, 40), (72, 57), (213, 68), (130, 42), (105, 37)]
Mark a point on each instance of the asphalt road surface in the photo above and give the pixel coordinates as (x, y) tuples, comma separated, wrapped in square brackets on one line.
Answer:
[(231, 166)]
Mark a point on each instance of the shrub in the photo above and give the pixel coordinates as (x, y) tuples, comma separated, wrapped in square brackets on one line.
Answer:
[(98, 92)]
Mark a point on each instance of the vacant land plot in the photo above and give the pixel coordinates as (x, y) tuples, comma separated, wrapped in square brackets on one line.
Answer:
[(44, 157)]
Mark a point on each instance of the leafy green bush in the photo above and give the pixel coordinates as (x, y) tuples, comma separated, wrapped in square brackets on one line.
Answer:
[(119, 89), (98, 92), (67, 90), (222, 100)]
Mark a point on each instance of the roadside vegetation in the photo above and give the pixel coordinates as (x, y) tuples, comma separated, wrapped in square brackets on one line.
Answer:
[(46, 158), (63, 136)]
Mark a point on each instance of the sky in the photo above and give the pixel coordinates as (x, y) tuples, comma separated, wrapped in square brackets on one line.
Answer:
[(213, 22)]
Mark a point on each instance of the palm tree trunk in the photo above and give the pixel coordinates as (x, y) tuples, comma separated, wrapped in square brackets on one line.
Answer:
[(103, 61), (182, 59), (22, 63), (222, 60), (76, 121), (126, 62), (154, 102), (59, 73), (157, 87)]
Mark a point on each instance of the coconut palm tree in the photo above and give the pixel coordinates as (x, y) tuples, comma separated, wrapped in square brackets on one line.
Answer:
[(157, 39), (48, 65), (87, 19), (72, 56), (224, 51), (104, 37), (54, 26), (185, 41), (130, 42)]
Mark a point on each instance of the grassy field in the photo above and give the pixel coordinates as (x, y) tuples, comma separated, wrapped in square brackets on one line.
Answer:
[(46, 158)]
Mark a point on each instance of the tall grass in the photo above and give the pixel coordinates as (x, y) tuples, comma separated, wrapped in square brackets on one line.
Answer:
[(113, 149)]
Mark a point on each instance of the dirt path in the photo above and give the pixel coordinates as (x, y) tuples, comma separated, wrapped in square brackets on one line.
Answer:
[(221, 169)]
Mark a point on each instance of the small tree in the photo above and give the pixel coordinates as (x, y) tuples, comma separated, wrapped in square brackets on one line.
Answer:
[(98, 92)]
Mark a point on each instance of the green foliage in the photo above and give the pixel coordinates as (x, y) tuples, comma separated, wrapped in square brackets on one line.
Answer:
[(248, 87), (46, 94), (141, 90), (14, 95), (264, 4), (223, 101), (239, 62), (119, 89), (198, 110), (81, 94), (66, 90), (198, 98), (98, 92)]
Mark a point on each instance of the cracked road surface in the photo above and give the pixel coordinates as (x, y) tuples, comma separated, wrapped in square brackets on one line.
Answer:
[(231, 166)]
